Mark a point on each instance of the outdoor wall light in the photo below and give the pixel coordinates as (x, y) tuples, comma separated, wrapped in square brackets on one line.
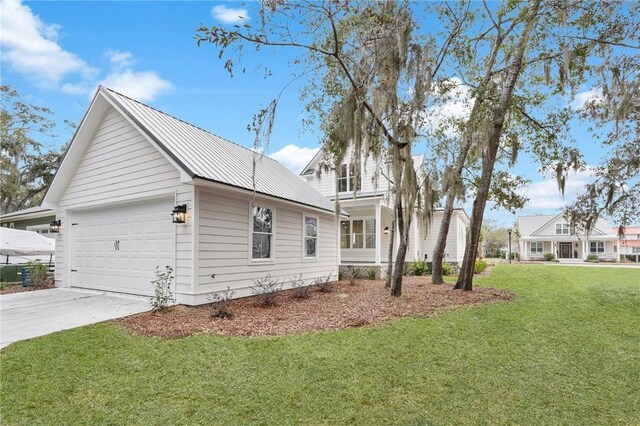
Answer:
[(386, 230), (55, 226), (179, 213)]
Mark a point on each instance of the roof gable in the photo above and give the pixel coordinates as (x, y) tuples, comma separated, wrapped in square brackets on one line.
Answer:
[(195, 152), (545, 225)]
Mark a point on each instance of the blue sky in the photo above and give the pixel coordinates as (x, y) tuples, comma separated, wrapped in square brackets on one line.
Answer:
[(56, 53)]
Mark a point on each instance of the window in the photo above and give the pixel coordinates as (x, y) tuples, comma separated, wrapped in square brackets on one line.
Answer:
[(358, 234), (346, 179), (40, 229), (262, 238), (310, 236), (370, 233), (562, 229), (537, 247), (596, 247), (345, 234)]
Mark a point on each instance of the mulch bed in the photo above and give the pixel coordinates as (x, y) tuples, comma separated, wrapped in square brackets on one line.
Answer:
[(17, 288), (366, 302)]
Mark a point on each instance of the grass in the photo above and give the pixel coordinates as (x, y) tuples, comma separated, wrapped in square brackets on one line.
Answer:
[(567, 351)]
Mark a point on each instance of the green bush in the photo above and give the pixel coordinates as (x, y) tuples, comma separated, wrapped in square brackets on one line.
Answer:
[(373, 273), (419, 268), (480, 266), (446, 268), (592, 258), (549, 257), (39, 274), (163, 296)]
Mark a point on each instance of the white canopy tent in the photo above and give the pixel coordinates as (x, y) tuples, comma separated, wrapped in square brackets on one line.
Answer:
[(17, 246)]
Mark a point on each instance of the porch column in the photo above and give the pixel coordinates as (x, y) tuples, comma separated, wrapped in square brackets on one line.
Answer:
[(378, 232), (584, 250)]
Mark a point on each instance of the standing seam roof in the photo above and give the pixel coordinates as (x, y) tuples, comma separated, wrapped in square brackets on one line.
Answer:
[(205, 155)]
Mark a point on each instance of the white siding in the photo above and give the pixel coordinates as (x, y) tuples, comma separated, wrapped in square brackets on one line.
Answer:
[(326, 183), (454, 249), (120, 165), (224, 241)]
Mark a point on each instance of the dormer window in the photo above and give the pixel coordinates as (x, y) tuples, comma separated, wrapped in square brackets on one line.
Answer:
[(562, 229), (347, 179)]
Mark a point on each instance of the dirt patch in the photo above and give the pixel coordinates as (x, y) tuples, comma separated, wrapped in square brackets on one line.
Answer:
[(17, 288), (365, 303)]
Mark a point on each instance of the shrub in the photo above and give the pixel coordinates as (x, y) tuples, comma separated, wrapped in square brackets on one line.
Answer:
[(325, 284), (406, 268), (373, 273), (419, 268), (592, 258), (353, 274), (549, 257), (446, 268), (300, 289), (480, 266), (220, 303), (265, 290), (162, 297), (340, 274), (38, 274)]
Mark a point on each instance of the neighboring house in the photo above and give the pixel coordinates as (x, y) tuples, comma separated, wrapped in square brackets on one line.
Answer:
[(130, 168), (630, 242), (540, 234), (35, 219), (364, 236)]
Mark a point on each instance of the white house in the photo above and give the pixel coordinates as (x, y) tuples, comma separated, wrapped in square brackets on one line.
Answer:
[(540, 234), (129, 167), (364, 238)]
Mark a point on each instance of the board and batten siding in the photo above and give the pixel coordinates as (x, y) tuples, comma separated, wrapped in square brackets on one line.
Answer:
[(121, 165), (224, 238)]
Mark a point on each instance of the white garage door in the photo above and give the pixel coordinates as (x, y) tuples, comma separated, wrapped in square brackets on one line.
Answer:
[(117, 248)]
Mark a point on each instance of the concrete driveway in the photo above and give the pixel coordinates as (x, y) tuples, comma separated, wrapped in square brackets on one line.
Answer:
[(37, 313)]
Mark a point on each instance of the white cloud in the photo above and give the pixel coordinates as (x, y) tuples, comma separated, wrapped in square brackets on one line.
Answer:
[(230, 15), (544, 195), (119, 59), (582, 98), (30, 47), (454, 104), (140, 85), (294, 157)]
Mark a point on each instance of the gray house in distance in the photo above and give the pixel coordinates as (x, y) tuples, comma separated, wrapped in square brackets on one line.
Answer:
[(35, 219), (139, 188)]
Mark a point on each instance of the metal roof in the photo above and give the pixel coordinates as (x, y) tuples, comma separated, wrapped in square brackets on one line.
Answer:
[(208, 156)]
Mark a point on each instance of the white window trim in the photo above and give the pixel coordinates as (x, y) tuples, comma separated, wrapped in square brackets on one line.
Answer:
[(348, 177), (364, 232), (304, 236), (536, 243), (597, 243), (271, 259), (562, 228), (44, 226)]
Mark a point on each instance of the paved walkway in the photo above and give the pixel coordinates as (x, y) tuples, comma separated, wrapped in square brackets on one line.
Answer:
[(37, 313)]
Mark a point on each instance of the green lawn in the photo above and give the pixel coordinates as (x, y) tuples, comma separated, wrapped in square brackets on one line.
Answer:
[(567, 351)]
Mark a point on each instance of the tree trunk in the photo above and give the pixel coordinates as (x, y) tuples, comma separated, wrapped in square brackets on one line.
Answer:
[(403, 231), (467, 142), (441, 243), (392, 234), (465, 278)]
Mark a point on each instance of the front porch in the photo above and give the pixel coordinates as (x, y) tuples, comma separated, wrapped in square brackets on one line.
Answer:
[(364, 236), (535, 249)]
